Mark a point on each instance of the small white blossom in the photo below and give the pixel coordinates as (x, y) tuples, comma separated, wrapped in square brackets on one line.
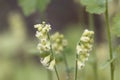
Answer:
[(45, 61), (80, 64), (38, 34), (87, 32), (51, 65), (85, 39), (38, 26), (79, 49), (44, 47), (47, 28)]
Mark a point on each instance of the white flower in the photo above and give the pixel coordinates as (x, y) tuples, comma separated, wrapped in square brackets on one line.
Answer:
[(87, 32), (83, 57), (38, 34), (80, 65), (45, 61), (44, 47), (79, 49), (85, 39), (47, 27), (47, 47), (38, 26), (89, 47), (52, 64)]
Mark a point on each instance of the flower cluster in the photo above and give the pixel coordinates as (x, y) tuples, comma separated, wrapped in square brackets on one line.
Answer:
[(58, 42), (84, 47), (42, 35), (44, 45), (55, 42)]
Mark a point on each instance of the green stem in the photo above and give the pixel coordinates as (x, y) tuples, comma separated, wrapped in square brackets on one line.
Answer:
[(54, 57), (57, 73), (66, 66), (109, 40), (76, 67)]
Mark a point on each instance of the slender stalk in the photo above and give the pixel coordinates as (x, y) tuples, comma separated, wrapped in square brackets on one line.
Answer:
[(109, 40), (57, 73), (53, 56), (91, 24), (66, 66), (76, 67)]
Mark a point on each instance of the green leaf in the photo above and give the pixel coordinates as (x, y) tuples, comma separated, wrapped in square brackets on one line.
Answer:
[(94, 6), (42, 4), (87, 2), (95, 9), (28, 6), (116, 25), (107, 63)]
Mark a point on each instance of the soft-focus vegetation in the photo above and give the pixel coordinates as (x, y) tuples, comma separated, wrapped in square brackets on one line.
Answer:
[(20, 59)]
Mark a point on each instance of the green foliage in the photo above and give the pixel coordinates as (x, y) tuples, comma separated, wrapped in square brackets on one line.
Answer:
[(42, 4), (94, 6), (107, 63), (116, 25), (29, 6)]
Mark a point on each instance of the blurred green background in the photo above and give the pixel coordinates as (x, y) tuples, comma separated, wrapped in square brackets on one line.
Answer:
[(19, 57)]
